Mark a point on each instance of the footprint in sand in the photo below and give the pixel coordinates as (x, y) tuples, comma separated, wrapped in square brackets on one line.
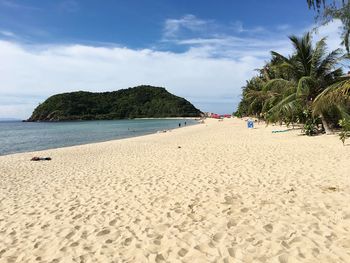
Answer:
[(63, 249), (157, 242), (127, 241), (113, 222), (103, 232), (231, 252), (218, 236), (182, 252), (295, 240), (159, 258), (2, 252), (70, 235), (283, 258), (74, 244), (229, 200), (77, 216), (45, 226), (231, 223), (244, 210), (84, 235), (268, 228)]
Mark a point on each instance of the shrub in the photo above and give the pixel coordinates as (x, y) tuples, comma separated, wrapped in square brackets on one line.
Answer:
[(345, 132)]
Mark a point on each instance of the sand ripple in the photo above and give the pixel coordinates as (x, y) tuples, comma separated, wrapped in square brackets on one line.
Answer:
[(227, 195)]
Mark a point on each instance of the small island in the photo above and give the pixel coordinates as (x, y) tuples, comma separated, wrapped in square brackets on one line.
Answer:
[(138, 102)]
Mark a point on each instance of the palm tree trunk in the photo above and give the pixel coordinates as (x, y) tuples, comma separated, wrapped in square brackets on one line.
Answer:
[(326, 127)]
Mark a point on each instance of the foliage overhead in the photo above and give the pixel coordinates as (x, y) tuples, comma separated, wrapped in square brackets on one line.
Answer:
[(137, 102), (334, 9)]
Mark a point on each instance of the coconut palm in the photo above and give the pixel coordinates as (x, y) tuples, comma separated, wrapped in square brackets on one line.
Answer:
[(253, 96), (311, 70)]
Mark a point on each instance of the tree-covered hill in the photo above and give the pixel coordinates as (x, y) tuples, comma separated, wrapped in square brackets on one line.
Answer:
[(137, 102)]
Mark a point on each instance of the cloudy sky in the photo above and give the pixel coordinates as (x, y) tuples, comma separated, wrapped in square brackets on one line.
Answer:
[(201, 50)]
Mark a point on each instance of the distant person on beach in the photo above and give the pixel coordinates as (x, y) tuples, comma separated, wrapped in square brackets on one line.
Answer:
[(185, 123), (179, 124)]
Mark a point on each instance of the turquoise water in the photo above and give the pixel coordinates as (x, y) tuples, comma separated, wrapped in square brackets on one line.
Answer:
[(16, 136)]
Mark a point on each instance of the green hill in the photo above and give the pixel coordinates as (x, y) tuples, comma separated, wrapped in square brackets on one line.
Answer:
[(137, 102)]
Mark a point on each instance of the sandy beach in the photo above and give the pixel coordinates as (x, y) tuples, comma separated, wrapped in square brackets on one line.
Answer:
[(214, 192)]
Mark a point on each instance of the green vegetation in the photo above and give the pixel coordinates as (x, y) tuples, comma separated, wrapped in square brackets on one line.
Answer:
[(137, 102), (345, 132), (307, 87)]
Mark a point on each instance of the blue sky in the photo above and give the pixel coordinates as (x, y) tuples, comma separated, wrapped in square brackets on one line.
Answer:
[(201, 50), (139, 23)]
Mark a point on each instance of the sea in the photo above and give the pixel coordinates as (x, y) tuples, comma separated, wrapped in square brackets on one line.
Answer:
[(17, 136)]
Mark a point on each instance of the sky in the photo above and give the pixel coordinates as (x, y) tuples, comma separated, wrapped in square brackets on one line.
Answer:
[(202, 50)]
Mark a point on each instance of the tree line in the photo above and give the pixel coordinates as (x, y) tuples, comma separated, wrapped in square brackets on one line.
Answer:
[(307, 87), (138, 102)]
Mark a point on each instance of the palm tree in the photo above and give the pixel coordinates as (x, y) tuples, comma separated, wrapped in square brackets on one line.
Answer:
[(253, 96), (311, 71)]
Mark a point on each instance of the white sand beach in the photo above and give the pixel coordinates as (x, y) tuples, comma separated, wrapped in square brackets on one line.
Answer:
[(215, 192)]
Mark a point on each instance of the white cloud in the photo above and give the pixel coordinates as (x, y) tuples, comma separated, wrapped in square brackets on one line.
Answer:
[(190, 26), (239, 27), (188, 22), (332, 32), (209, 73), (212, 39), (39, 72)]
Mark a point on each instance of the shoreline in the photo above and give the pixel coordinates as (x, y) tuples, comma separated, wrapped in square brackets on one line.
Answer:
[(114, 139), (170, 118), (81, 120), (216, 191)]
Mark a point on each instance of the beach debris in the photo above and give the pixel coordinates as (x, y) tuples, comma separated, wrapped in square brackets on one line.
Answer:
[(179, 147), (35, 158), (290, 190), (163, 131), (278, 131), (331, 188)]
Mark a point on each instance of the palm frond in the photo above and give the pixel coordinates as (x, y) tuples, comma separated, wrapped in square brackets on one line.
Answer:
[(318, 54), (329, 62), (336, 94), (316, 4), (277, 85), (279, 56), (279, 106), (304, 86)]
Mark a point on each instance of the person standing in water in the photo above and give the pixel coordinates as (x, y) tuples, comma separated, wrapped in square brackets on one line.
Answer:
[(179, 125)]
